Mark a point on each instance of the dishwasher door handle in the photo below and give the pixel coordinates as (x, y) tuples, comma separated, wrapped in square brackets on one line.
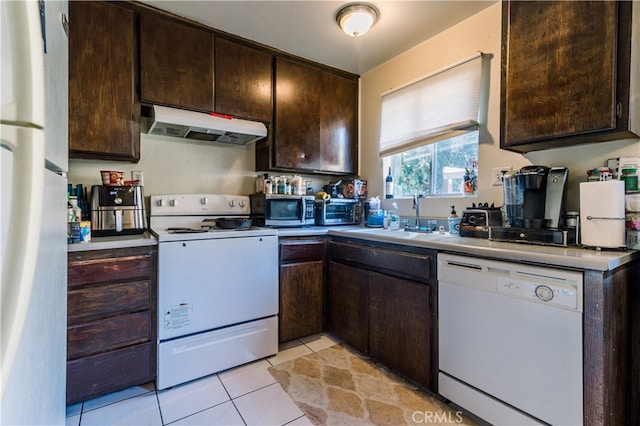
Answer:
[(477, 268), (464, 265)]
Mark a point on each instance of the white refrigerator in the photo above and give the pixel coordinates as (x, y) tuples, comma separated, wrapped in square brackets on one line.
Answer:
[(34, 154)]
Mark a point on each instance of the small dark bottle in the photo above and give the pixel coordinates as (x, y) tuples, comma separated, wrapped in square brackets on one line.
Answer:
[(388, 185)]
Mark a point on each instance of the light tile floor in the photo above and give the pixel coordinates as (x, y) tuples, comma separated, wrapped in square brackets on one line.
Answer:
[(245, 395)]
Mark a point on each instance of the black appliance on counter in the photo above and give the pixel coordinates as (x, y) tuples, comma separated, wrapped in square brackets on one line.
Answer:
[(477, 219), (534, 199), (280, 210)]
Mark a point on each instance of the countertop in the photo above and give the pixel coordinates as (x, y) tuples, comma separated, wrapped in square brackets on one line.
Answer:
[(566, 257), (101, 243)]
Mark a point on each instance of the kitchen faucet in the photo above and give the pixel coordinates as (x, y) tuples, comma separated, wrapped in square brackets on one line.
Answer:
[(416, 206)]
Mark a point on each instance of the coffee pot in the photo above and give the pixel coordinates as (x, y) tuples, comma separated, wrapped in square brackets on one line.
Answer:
[(534, 196)]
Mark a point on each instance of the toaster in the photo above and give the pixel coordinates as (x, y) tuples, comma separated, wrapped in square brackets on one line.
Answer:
[(117, 210), (475, 222)]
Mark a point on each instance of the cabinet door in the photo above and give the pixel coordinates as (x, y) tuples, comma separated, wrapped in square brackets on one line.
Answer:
[(104, 115), (315, 119), (243, 80), (297, 116), (176, 64), (565, 77), (400, 326), (339, 124), (348, 304), (301, 299)]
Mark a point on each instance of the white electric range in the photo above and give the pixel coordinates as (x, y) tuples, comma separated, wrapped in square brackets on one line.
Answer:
[(217, 288)]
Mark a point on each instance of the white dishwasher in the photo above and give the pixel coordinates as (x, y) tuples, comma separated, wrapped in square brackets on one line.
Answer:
[(510, 340)]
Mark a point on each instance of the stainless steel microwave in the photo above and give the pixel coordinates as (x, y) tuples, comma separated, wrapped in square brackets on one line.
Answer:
[(282, 210)]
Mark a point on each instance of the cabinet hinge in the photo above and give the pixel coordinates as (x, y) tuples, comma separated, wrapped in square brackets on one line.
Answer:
[(618, 109)]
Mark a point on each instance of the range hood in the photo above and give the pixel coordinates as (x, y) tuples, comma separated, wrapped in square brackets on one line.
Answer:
[(180, 123)]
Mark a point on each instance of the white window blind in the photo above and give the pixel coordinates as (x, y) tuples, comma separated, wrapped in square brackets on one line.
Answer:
[(439, 106)]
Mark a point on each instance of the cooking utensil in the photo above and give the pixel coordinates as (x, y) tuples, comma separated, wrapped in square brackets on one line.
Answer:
[(233, 223)]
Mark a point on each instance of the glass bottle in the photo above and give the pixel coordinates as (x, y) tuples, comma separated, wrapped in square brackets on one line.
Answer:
[(388, 185)]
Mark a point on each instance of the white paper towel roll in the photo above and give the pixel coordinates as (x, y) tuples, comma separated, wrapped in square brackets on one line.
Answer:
[(602, 214)]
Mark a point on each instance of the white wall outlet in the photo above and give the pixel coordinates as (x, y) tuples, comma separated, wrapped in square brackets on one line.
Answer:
[(497, 174), (138, 176)]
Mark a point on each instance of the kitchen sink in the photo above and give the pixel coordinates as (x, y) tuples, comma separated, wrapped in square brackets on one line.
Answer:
[(406, 234)]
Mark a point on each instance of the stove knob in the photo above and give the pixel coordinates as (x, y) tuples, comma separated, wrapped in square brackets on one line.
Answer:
[(241, 204), (204, 200), (173, 203), (472, 220), (232, 204), (161, 202)]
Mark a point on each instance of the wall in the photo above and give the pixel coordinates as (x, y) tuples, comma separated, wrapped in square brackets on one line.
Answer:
[(177, 165), (172, 165), (481, 32)]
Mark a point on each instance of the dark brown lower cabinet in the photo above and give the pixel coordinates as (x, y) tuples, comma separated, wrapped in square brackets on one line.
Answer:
[(302, 288), (111, 317), (349, 304), (400, 325), (380, 301)]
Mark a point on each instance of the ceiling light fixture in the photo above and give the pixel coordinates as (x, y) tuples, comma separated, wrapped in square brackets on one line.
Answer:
[(356, 19)]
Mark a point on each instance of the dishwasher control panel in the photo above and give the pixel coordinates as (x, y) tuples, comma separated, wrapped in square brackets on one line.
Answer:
[(550, 286), (555, 294)]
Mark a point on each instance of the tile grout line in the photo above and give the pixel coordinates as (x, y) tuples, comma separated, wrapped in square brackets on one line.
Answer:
[(159, 407), (232, 402)]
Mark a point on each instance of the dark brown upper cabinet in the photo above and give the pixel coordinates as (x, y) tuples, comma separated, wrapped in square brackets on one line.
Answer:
[(243, 80), (315, 121), (565, 73), (176, 64), (104, 114)]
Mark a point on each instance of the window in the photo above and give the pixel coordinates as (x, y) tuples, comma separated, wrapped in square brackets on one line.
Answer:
[(429, 132)]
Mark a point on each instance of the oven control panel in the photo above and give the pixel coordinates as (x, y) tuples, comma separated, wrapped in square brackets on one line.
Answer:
[(186, 204)]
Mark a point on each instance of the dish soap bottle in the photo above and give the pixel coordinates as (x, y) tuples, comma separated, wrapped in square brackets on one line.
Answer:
[(394, 217), (453, 221)]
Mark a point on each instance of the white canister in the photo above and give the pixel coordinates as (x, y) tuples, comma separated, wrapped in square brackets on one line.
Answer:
[(602, 216), (298, 185), (267, 185)]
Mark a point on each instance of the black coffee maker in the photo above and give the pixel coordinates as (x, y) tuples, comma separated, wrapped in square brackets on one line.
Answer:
[(534, 197)]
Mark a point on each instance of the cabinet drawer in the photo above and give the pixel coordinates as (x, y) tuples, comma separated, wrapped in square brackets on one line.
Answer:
[(109, 372), (93, 271), (402, 264), (95, 302), (301, 250), (108, 334)]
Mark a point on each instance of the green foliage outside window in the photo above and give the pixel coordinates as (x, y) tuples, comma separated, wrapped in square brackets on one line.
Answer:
[(435, 169)]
